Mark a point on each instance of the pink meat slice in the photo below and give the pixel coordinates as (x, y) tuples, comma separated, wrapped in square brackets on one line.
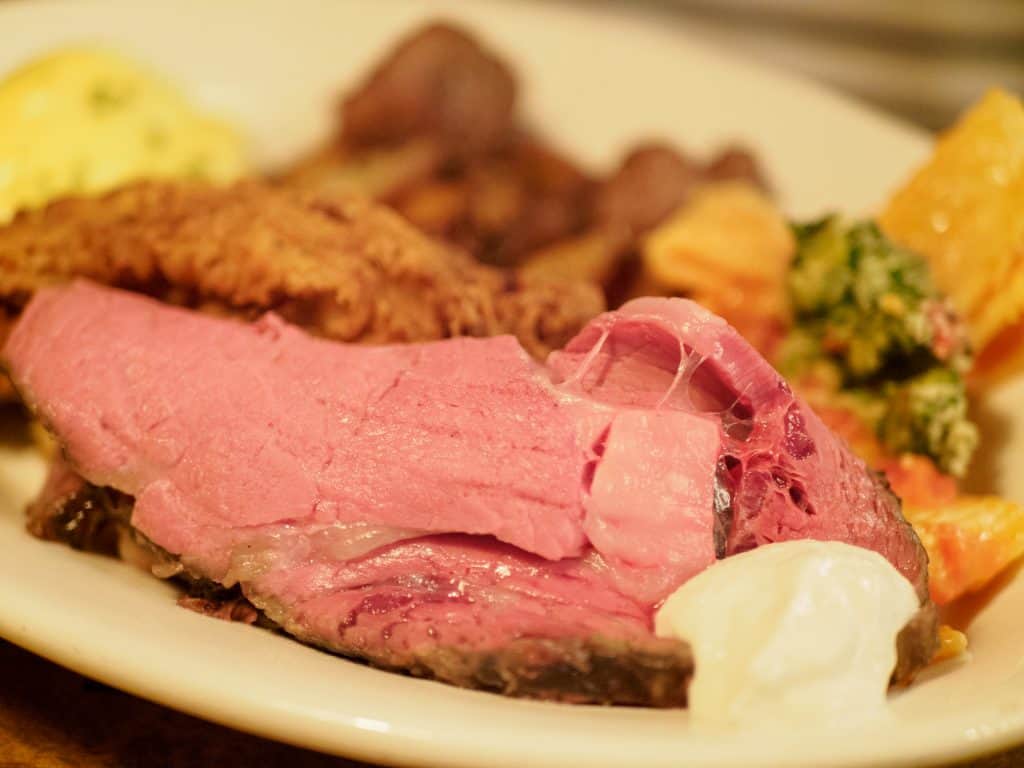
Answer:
[(647, 510), (785, 474), (449, 590), (224, 432), (213, 424), (427, 506)]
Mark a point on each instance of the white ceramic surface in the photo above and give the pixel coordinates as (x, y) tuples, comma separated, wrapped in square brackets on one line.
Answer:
[(594, 81)]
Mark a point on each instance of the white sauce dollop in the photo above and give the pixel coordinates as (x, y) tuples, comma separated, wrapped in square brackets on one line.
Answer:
[(800, 631)]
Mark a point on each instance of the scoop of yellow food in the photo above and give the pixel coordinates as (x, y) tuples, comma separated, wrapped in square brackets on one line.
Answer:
[(728, 249), (969, 542), (952, 644), (84, 120), (964, 211)]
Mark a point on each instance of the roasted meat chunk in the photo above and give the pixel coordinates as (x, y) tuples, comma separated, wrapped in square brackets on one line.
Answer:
[(440, 83)]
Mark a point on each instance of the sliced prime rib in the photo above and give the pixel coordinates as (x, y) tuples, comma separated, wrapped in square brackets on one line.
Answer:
[(453, 509), (466, 610), (786, 475)]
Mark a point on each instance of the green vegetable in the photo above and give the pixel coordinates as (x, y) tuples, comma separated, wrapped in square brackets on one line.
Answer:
[(110, 96), (928, 414), (867, 303), (866, 312)]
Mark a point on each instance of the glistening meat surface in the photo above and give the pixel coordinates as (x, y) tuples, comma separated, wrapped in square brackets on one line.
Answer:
[(450, 508), (784, 474), (223, 431)]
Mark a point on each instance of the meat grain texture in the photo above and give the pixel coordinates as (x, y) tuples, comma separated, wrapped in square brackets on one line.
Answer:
[(454, 509)]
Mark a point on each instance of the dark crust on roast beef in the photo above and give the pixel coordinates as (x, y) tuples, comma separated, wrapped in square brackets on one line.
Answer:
[(592, 670), (916, 644), (85, 518), (228, 608), (921, 585)]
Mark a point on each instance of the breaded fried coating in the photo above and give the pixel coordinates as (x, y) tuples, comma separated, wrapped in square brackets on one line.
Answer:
[(339, 266)]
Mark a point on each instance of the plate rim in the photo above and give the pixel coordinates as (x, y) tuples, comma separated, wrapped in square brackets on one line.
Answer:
[(366, 743)]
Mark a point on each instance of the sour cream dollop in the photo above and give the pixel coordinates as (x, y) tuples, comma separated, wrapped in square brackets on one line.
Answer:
[(800, 631)]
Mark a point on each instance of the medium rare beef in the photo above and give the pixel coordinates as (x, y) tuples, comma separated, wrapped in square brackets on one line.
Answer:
[(463, 598), (223, 432), (785, 474), (600, 668), (466, 610), (451, 508)]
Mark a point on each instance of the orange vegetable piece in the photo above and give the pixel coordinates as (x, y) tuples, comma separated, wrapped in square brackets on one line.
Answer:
[(952, 643), (728, 248), (962, 211), (969, 541), (916, 480)]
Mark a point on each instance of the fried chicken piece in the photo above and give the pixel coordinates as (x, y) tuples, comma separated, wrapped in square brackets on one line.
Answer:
[(340, 266), (380, 173), (439, 83)]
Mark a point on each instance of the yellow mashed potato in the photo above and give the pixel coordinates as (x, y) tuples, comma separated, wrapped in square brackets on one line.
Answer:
[(84, 120)]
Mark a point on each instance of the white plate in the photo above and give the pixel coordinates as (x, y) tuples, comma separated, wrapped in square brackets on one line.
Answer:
[(595, 81)]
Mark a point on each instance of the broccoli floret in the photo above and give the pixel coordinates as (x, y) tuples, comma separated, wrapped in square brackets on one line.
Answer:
[(928, 414), (870, 304), (865, 310)]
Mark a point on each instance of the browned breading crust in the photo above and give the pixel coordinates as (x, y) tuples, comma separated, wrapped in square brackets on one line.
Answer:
[(340, 266)]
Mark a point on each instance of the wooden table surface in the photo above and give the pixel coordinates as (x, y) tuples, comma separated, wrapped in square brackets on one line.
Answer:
[(53, 718)]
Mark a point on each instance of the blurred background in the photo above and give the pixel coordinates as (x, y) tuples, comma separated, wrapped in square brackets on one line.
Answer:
[(924, 60)]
